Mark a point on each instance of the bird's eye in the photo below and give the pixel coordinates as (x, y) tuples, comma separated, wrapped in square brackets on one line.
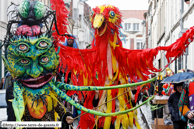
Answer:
[(24, 61), (23, 47), (44, 59), (43, 44), (111, 14)]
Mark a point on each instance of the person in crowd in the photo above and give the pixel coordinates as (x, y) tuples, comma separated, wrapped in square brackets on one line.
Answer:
[(101, 120), (151, 90), (67, 117), (136, 93), (77, 112), (2, 81), (68, 120), (186, 104), (144, 90), (166, 114), (173, 101), (71, 42), (9, 98)]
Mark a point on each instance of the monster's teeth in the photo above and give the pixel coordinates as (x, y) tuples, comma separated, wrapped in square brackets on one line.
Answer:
[(30, 82), (35, 79)]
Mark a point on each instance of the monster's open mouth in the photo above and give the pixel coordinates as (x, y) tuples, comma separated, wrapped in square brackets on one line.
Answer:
[(102, 29), (37, 82)]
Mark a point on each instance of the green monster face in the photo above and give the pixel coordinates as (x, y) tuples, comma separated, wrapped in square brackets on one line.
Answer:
[(32, 60)]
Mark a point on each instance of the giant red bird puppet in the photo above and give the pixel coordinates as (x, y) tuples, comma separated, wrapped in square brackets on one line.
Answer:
[(110, 61)]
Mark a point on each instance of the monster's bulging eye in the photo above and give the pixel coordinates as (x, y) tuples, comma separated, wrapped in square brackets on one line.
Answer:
[(23, 9), (44, 60), (111, 14), (43, 44), (39, 9), (24, 61), (23, 47)]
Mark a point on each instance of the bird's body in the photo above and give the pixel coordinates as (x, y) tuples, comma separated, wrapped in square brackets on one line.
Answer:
[(111, 62)]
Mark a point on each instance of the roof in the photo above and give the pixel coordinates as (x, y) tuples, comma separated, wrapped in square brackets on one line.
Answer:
[(132, 14)]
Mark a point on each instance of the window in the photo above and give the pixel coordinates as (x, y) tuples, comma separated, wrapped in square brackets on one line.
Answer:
[(127, 26), (159, 63), (135, 26), (139, 43), (180, 62)]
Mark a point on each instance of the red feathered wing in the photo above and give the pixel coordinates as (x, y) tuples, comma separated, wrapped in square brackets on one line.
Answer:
[(81, 63), (140, 62)]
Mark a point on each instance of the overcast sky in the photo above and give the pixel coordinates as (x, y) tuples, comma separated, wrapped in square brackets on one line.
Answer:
[(121, 4)]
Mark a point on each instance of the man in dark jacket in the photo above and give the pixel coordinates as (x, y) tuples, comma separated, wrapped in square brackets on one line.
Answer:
[(173, 107), (10, 111), (151, 92)]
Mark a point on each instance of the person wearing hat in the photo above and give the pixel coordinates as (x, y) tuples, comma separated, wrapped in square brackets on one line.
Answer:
[(186, 105), (173, 101), (71, 41)]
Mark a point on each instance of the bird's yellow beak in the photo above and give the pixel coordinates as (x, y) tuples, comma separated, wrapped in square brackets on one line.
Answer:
[(98, 20)]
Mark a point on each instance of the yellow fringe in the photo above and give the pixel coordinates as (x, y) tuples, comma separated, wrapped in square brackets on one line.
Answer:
[(117, 124), (56, 100), (109, 109)]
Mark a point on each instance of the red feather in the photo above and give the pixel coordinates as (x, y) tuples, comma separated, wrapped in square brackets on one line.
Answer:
[(61, 16)]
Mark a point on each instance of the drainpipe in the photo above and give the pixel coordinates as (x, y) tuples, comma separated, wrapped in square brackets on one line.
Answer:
[(181, 24), (182, 9), (0, 60)]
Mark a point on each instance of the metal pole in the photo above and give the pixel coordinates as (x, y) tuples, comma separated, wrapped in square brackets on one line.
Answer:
[(0, 61), (186, 54), (186, 60), (78, 17), (182, 9)]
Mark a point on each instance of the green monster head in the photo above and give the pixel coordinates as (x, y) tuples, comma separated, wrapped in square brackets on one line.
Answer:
[(32, 60)]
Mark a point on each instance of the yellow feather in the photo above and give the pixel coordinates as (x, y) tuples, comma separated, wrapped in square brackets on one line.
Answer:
[(124, 118), (109, 109), (117, 124), (130, 119), (85, 80), (49, 103), (56, 115), (55, 100)]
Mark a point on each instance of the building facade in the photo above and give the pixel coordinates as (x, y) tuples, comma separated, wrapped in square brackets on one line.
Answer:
[(132, 27), (82, 26), (167, 20)]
